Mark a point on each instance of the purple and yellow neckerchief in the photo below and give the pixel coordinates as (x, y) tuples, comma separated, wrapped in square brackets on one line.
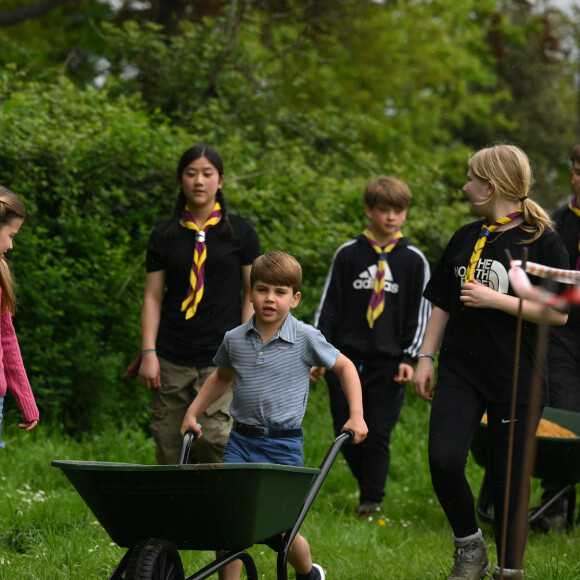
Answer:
[(573, 206), (486, 229), (197, 274), (377, 302)]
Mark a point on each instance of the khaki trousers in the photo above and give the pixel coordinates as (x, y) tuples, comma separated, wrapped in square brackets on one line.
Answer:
[(179, 386)]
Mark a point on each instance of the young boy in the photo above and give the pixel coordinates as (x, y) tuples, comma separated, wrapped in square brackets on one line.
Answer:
[(268, 362), (373, 310)]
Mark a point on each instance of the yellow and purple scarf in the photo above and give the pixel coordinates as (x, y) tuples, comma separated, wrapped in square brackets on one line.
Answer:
[(377, 301), (197, 274), (486, 229)]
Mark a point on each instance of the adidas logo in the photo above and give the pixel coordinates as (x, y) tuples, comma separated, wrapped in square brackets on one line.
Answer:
[(366, 280)]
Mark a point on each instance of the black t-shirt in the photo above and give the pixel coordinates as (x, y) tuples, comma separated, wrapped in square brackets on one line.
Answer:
[(478, 347), (194, 342)]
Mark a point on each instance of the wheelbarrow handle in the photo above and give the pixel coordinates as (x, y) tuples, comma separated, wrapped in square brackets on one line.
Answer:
[(342, 439), (349, 433), (188, 440)]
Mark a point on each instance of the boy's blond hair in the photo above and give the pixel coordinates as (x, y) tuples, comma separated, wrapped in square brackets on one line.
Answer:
[(277, 268), (387, 191)]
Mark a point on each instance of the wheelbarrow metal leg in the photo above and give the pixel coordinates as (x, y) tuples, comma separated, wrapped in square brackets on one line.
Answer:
[(282, 561), (222, 561), (549, 503), (121, 567)]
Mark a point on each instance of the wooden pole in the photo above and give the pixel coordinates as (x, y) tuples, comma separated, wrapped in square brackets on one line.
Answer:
[(512, 421)]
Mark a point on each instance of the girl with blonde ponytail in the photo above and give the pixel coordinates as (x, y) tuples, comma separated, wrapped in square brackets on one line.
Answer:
[(473, 325), (508, 168), (12, 374)]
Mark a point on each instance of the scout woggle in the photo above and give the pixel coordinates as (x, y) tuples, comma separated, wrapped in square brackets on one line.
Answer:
[(526, 290)]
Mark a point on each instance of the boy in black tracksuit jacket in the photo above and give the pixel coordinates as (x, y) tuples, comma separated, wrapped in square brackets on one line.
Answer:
[(381, 334)]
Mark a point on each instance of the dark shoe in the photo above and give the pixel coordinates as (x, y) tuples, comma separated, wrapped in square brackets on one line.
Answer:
[(558, 516), (316, 573), (367, 510)]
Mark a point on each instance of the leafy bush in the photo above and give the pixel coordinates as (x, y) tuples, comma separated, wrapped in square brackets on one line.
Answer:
[(93, 173)]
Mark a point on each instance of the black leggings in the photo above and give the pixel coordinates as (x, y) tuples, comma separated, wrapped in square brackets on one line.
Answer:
[(455, 417)]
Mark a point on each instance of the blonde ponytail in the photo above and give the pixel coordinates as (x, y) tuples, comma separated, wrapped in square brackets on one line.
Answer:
[(537, 221)]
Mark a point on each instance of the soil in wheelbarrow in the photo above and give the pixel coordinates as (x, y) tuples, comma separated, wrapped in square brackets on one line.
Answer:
[(546, 429)]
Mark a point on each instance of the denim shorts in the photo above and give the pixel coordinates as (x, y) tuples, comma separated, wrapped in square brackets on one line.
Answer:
[(2, 443), (284, 451)]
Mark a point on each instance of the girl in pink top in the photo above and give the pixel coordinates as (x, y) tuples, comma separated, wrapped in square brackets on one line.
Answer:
[(12, 374)]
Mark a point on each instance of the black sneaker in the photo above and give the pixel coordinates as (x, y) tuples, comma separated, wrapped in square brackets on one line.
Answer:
[(367, 510), (559, 516), (316, 573)]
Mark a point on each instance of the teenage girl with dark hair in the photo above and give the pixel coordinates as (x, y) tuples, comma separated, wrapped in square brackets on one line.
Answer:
[(473, 325), (198, 273), (12, 376)]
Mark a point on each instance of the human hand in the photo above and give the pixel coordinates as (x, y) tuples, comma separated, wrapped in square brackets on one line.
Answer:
[(149, 371), (405, 374), (358, 427), (28, 425), (317, 373), (476, 295), (424, 379), (190, 422)]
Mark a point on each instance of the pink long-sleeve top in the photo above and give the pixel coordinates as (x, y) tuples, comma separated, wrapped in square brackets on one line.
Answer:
[(12, 374)]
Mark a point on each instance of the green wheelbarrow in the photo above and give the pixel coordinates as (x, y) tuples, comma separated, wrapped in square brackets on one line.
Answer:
[(156, 510), (557, 458)]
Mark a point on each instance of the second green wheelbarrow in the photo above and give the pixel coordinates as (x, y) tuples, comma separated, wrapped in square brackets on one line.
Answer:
[(557, 458)]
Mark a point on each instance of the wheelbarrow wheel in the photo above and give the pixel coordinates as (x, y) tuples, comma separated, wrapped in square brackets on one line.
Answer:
[(155, 559)]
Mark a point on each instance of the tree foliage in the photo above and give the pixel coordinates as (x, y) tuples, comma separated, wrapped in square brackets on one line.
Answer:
[(90, 170), (541, 110), (305, 101)]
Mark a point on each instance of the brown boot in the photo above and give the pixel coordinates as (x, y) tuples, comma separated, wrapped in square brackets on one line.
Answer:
[(471, 561)]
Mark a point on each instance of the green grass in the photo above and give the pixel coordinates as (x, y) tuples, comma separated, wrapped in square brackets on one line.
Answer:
[(48, 533)]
